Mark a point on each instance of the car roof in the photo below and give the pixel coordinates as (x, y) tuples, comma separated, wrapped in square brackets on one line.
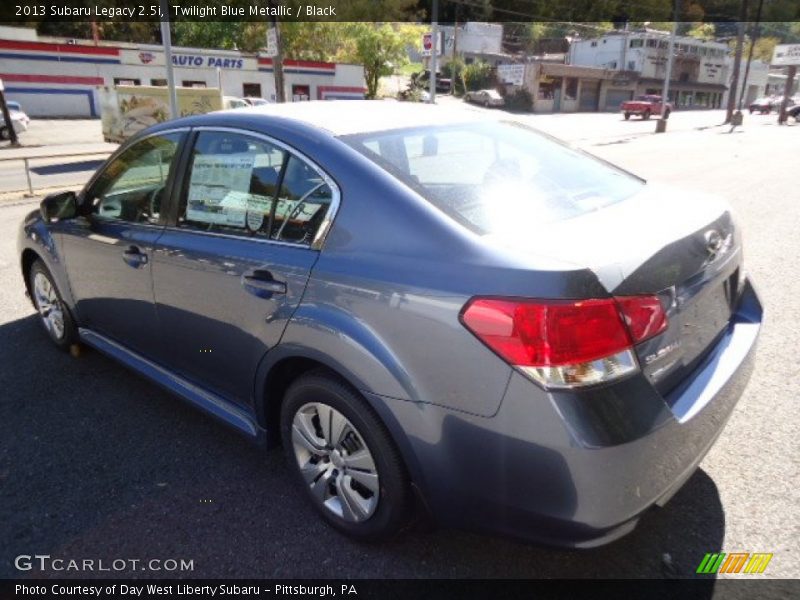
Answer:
[(345, 117)]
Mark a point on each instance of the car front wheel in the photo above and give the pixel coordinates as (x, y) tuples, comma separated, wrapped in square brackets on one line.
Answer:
[(343, 457), (53, 314), (646, 115)]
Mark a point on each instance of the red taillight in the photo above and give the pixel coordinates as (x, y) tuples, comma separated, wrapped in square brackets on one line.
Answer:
[(644, 316), (565, 343)]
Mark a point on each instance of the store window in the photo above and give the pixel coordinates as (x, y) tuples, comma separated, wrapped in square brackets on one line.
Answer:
[(158, 82), (301, 93), (548, 88), (251, 90), (637, 43), (126, 81), (193, 84), (652, 43)]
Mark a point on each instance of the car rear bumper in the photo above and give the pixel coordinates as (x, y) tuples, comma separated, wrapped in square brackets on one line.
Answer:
[(539, 471)]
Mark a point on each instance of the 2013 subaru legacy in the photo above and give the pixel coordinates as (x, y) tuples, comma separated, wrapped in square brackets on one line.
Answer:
[(435, 311)]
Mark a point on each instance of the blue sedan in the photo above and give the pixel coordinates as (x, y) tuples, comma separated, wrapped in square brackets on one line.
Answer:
[(431, 310)]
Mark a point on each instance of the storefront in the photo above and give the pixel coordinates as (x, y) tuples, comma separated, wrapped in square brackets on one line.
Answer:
[(557, 87), (56, 79)]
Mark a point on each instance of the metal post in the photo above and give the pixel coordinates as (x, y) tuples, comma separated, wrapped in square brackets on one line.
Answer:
[(434, 50), (28, 176), (166, 39), (737, 65), (782, 116), (750, 53), (277, 60), (661, 126)]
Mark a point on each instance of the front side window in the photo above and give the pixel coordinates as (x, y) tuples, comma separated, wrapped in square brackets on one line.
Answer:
[(496, 178), (132, 186), (243, 185)]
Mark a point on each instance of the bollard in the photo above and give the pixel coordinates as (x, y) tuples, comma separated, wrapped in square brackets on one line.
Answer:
[(28, 176)]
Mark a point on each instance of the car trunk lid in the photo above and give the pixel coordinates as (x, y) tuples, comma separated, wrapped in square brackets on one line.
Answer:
[(683, 248)]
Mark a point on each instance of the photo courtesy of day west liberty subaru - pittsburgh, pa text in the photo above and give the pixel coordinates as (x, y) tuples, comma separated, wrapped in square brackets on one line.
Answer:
[(177, 10)]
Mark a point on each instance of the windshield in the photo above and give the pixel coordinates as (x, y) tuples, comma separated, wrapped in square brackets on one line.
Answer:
[(496, 178)]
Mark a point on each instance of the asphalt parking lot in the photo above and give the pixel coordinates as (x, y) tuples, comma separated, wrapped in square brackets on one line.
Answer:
[(98, 463)]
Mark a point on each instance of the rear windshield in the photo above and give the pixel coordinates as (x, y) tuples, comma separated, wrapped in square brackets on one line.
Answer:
[(496, 177)]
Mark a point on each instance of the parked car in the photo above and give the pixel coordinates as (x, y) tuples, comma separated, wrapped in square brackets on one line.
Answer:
[(794, 112), (645, 106), (16, 107), (430, 308), (486, 98), (19, 121), (443, 84), (768, 104), (229, 102), (251, 101)]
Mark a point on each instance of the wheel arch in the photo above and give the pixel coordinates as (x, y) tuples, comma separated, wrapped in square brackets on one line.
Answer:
[(284, 363), (28, 257)]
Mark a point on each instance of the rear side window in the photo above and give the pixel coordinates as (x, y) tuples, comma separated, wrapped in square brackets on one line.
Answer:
[(496, 178), (243, 185)]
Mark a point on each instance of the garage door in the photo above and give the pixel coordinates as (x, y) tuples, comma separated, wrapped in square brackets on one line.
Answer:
[(616, 97), (590, 95)]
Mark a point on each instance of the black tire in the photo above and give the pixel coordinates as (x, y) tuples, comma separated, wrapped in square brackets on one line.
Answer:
[(4, 135), (69, 334), (627, 116), (394, 498), (646, 115)]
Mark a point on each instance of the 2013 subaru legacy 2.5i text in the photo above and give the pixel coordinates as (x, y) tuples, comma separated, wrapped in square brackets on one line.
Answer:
[(433, 310)]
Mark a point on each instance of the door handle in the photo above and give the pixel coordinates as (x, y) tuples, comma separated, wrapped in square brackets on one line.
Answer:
[(263, 281), (133, 256)]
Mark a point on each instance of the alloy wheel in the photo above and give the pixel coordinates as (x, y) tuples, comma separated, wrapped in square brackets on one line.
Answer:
[(49, 305), (335, 462)]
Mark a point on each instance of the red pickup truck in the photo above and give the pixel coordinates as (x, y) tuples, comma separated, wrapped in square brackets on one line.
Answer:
[(646, 105)]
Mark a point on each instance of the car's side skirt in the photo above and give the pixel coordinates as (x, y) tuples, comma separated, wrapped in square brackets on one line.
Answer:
[(209, 402)]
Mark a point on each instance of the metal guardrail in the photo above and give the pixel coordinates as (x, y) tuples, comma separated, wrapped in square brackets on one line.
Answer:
[(27, 159)]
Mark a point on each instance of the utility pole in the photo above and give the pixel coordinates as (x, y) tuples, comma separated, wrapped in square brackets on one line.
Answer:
[(277, 60), (737, 63), (434, 50), (661, 124), (750, 53), (12, 135), (166, 40), (782, 116)]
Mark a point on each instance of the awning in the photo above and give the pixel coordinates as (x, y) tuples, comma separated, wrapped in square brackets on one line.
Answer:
[(561, 70), (685, 85)]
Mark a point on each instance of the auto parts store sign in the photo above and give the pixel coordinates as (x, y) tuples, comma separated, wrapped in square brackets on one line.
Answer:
[(196, 60)]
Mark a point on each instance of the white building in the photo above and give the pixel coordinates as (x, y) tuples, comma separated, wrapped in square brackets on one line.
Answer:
[(58, 77), (700, 70), (471, 41)]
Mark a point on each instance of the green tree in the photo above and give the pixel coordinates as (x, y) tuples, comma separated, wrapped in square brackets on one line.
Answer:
[(380, 48)]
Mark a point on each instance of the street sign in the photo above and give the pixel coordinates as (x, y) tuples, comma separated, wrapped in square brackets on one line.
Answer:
[(272, 42), (427, 44), (786, 55), (513, 74)]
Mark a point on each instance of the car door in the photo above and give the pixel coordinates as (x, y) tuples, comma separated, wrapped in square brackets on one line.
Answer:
[(108, 247), (233, 264)]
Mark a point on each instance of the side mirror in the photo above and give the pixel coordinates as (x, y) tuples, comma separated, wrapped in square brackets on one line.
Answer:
[(59, 206)]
